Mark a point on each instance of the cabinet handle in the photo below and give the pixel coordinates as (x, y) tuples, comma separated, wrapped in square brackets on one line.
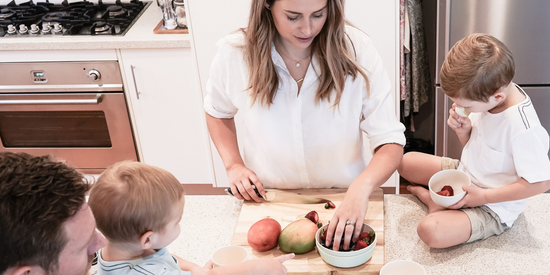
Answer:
[(135, 84)]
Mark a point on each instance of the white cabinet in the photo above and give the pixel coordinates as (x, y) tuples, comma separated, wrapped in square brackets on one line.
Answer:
[(166, 108), (379, 19)]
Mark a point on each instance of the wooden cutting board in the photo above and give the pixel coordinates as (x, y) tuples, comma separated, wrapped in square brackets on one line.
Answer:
[(312, 263)]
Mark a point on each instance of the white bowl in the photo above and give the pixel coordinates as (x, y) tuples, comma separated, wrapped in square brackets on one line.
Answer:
[(454, 178), (229, 255), (402, 267), (342, 258)]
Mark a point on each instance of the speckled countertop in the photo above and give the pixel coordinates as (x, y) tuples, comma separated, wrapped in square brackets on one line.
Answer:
[(208, 223), (524, 249), (140, 36)]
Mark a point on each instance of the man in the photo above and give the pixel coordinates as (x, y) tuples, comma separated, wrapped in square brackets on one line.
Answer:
[(46, 226)]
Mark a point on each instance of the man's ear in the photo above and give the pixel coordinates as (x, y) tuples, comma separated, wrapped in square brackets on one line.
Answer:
[(147, 239)]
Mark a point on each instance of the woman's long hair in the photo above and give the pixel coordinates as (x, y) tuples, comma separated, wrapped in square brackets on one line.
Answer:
[(337, 60)]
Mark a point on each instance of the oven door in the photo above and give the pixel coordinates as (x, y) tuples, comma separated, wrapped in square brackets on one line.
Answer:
[(90, 131)]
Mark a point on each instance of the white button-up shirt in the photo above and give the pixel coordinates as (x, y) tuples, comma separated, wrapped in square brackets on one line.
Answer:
[(295, 143)]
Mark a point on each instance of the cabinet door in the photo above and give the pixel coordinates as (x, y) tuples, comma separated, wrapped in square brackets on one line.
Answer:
[(167, 112)]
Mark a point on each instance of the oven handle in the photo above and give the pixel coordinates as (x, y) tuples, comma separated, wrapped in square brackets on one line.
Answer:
[(98, 98)]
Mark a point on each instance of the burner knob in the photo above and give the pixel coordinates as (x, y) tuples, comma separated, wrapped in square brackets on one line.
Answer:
[(94, 75), (45, 29), (57, 28), (34, 29), (23, 29), (11, 29)]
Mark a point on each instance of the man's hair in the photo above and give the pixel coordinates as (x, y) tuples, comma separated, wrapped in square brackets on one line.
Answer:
[(37, 196), (131, 198), (476, 67)]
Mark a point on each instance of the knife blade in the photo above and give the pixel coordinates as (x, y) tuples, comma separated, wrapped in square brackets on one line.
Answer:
[(275, 195)]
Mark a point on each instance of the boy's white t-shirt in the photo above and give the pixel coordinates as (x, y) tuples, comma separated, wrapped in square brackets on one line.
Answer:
[(503, 148), (160, 263)]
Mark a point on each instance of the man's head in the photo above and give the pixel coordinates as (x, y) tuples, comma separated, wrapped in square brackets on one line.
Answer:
[(46, 227), (130, 199), (476, 67)]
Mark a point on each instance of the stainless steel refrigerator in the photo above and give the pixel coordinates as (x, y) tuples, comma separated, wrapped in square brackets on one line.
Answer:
[(523, 25)]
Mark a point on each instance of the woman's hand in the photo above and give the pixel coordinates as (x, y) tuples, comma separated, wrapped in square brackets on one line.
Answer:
[(475, 196), (241, 179), (353, 209)]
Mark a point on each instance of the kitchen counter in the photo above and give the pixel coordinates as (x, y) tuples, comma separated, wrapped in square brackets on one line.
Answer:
[(140, 36), (523, 249), (211, 222), (208, 223)]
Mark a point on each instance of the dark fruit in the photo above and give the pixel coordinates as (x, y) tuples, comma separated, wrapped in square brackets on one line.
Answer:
[(360, 245), (313, 216), (329, 205), (365, 239), (364, 235)]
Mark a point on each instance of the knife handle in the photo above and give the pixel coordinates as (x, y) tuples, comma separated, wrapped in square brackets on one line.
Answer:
[(229, 192)]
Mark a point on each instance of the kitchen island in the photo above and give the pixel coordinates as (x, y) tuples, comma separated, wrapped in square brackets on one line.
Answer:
[(209, 223)]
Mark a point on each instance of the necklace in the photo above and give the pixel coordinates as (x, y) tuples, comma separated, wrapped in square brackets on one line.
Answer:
[(297, 62)]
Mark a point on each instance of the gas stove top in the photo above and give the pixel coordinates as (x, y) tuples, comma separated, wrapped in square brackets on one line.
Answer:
[(44, 19)]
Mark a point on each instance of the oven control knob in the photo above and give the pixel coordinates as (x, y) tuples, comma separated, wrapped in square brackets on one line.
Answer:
[(46, 29), (11, 29), (94, 75), (34, 29), (57, 28), (23, 29)]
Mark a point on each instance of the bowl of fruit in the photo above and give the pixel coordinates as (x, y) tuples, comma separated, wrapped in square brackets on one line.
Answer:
[(357, 254), (446, 187)]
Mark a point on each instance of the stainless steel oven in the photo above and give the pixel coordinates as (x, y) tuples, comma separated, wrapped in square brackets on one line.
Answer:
[(75, 111)]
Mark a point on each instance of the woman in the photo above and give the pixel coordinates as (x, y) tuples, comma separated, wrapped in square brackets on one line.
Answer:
[(305, 85)]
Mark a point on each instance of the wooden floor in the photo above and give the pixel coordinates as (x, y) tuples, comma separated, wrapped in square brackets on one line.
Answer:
[(402, 187)]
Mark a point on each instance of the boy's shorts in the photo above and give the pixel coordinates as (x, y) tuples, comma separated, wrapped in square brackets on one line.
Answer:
[(484, 222)]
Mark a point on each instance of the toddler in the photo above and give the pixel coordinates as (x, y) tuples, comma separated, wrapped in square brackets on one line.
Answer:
[(138, 208)]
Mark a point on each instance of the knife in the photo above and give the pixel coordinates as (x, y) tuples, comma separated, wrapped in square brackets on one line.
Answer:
[(274, 195)]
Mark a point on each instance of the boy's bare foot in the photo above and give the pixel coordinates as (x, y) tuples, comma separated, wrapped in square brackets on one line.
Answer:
[(424, 195)]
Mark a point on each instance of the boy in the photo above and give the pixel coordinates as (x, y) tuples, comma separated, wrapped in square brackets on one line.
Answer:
[(138, 208), (505, 147)]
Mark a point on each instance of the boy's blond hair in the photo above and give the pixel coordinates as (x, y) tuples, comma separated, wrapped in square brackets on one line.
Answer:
[(476, 67), (131, 198)]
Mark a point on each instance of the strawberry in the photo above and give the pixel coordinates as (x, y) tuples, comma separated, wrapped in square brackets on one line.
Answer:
[(444, 193), (313, 216), (360, 245), (448, 188), (365, 236), (324, 235), (329, 205)]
